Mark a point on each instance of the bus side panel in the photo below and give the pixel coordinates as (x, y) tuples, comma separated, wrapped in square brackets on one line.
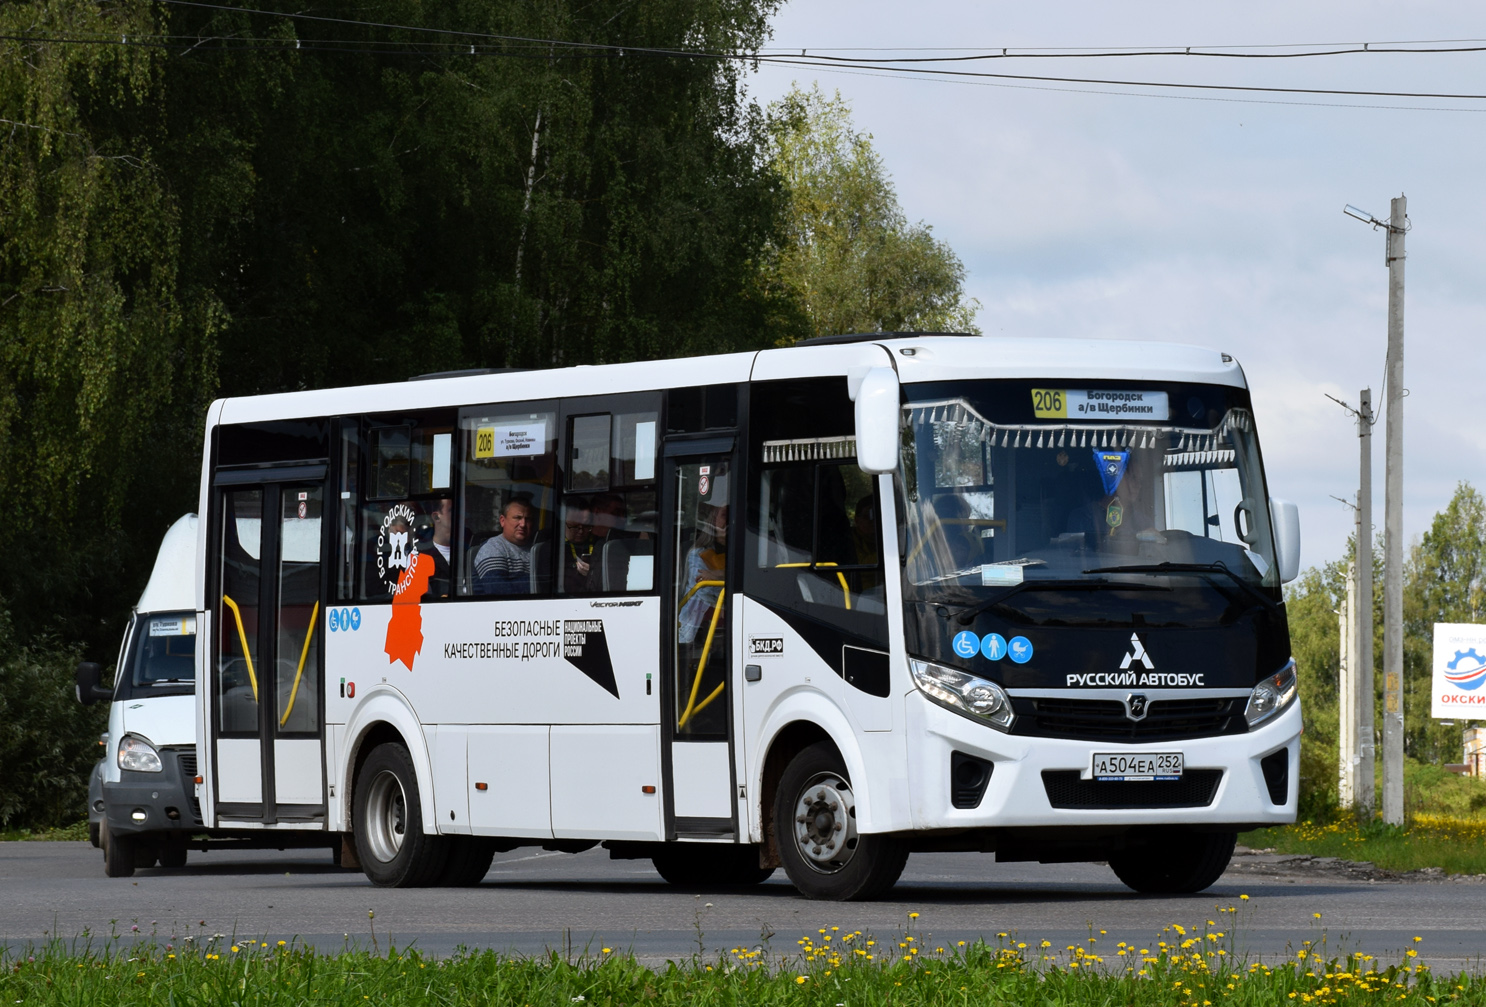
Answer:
[(508, 781), (599, 776)]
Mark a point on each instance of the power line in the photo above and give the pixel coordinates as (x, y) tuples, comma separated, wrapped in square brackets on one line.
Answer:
[(1362, 49)]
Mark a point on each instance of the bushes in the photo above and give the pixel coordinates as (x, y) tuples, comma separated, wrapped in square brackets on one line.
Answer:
[(48, 741)]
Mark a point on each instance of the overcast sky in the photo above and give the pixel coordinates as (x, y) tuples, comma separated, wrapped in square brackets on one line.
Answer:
[(1215, 222)]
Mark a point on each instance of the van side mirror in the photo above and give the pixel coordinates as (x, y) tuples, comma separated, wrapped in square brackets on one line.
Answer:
[(877, 418), (87, 677), (1286, 519)]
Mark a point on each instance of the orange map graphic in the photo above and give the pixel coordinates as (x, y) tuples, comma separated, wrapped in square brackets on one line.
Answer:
[(405, 629)]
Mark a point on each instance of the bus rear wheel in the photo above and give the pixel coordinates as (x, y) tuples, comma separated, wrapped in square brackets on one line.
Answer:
[(393, 849), (702, 865), (1176, 867), (815, 827)]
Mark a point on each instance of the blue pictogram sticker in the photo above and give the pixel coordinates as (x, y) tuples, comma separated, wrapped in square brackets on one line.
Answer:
[(966, 644), (1020, 649), (335, 620), (355, 618), (1467, 671), (993, 646)]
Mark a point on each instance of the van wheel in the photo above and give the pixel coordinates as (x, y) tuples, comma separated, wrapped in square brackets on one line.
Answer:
[(710, 865), (468, 862), (173, 853), (1188, 865), (95, 835), (815, 827), (390, 842), (118, 854)]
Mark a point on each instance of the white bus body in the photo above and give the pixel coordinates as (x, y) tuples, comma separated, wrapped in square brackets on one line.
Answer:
[(772, 657)]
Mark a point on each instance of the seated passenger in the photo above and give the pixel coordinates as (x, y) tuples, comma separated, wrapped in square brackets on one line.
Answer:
[(579, 561), (503, 564), (442, 518)]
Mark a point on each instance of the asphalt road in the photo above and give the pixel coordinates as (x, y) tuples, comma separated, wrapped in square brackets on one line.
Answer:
[(532, 901)]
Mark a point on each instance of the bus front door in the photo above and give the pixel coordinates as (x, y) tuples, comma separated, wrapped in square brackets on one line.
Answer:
[(699, 491), (267, 690)]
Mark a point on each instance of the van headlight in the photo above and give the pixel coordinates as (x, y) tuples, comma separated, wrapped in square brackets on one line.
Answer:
[(1272, 695), (975, 697), (138, 755)]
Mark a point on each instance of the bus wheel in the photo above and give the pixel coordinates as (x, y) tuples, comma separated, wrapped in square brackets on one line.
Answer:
[(468, 862), (1188, 864), (815, 827), (703, 865), (390, 842), (118, 855)]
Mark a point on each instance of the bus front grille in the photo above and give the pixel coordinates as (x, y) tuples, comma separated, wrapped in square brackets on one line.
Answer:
[(1196, 789), (1105, 720)]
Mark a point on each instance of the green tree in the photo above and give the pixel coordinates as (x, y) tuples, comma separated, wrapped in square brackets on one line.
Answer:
[(104, 366), (847, 254), (1312, 604)]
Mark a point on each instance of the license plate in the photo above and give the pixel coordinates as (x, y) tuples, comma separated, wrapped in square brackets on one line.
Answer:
[(1125, 766)]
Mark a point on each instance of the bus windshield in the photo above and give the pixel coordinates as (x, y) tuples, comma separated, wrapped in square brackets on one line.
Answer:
[(1009, 485)]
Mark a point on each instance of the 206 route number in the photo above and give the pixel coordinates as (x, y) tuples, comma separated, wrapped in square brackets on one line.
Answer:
[(1137, 765)]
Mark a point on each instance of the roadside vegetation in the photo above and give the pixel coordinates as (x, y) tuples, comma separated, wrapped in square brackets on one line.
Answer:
[(1195, 965)]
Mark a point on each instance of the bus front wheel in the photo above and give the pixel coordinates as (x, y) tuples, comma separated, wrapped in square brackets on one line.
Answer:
[(815, 827), (1177, 867), (393, 849)]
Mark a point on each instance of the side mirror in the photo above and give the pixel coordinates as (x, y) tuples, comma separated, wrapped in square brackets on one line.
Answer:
[(87, 677), (1286, 518), (877, 417)]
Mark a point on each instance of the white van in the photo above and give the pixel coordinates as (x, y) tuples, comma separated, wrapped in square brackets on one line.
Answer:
[(142, 802)]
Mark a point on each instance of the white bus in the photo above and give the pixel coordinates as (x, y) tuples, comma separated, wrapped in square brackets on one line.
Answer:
[(815, 607)]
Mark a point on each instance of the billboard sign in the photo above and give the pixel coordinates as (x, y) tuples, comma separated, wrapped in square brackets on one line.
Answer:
[(1458, 691)]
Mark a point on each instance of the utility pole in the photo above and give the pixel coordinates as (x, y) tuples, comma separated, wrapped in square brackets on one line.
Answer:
[(1356, 782), (1396, 226), (1393, 528), (1361, 623)]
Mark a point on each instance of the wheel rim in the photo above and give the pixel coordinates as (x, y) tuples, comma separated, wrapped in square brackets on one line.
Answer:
[(386, 816), (825, 825)]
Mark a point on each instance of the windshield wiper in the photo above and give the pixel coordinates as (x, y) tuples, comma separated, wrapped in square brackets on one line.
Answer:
[(1217, 566)]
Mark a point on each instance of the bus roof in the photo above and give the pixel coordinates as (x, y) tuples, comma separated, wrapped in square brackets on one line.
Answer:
[(917, 358)]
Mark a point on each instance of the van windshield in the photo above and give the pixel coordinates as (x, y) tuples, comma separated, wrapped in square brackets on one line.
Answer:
[(162, 657)]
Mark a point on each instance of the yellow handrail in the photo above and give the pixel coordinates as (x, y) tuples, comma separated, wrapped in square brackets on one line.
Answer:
[(242, 636), (699, 585), (845, 591), (696, 682), (309, 634)]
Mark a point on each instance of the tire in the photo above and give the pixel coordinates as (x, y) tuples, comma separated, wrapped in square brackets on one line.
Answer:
[(95, 835), (710, 865), (173, 853), (1176, 868), (815, 827), (468, 861), (118, 854), (393, 849)]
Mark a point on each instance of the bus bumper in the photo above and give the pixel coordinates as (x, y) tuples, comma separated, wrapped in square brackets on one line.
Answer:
[(1018, 794), (153, 802)]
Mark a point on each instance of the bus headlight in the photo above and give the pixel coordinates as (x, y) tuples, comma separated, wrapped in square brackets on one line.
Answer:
[(138, 755), (1272, 695), (977, 698)]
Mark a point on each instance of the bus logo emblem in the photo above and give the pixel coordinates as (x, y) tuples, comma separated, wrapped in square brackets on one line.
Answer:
[(1135, 706)]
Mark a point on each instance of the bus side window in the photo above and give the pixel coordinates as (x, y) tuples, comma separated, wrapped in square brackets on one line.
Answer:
[(406, 509), (507, 526), (610, 504)]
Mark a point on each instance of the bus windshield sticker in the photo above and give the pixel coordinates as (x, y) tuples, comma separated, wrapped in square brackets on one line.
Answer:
[(1000, 574), (485, 442), (1098, 404)]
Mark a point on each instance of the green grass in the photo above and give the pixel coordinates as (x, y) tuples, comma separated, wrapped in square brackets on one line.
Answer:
[(1458, 845), (75, 831), (1182, 966)]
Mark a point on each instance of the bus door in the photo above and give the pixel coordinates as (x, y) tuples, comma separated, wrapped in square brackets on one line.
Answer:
[(267, 691), (700, 493)]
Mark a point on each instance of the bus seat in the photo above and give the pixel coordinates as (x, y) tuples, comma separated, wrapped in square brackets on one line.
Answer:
[(541, 563)]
